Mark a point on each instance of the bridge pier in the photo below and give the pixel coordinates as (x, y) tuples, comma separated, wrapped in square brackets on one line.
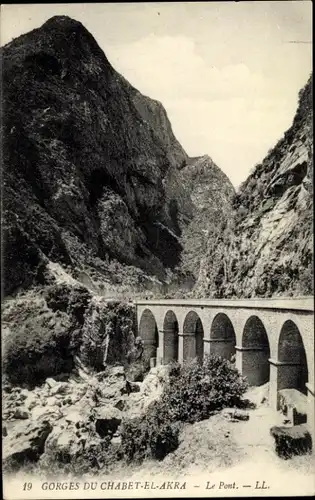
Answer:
[(160, 349), (206, 346), (311, 411), (186, 346), (283, 375), (223, 347), (253, 364), (169, 340), (273, 337), (149, 349)]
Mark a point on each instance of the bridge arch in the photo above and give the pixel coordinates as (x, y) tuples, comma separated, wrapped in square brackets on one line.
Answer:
[(170, 331), (222, 337), (193, 334), (255, 352), (148, 331), (293, 369)]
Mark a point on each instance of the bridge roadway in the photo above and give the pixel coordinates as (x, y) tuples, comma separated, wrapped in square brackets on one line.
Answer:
[(271, 340)]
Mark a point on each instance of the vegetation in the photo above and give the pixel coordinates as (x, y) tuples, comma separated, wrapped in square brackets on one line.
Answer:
[(39, 350), (45, 333), (150, 437), (195, 392)]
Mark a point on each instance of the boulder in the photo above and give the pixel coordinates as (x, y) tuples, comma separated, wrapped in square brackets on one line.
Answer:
[(120, 404), (77, 417), (235, 414), (46, 413), (81, 413), (60, 388), (154, 382), (20, 414), (114, 372), (25, 443), (68, 444), (294, 405), (290, 441), (24, 395), (50, 382), (51, 401), (151, 389), (107, 420), (133, 387), (16, 390), (136, 371), (112, 388), (63, 445), (31, 402)]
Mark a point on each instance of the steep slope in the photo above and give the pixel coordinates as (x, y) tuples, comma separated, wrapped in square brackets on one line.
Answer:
[(266, 248), (211, 192), (91, 167)]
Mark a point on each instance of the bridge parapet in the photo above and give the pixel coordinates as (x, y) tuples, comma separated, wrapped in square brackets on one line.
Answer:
[(283, 303)]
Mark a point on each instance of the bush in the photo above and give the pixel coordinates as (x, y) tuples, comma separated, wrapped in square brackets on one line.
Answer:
[(152, 436), (196, 391), (72, 299)]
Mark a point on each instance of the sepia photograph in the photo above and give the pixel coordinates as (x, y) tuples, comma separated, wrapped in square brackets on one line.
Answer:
[(157, 307)]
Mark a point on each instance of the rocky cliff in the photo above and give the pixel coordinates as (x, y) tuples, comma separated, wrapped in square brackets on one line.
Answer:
[(266, 248), (91, 167), (211, 193), (96, 204)]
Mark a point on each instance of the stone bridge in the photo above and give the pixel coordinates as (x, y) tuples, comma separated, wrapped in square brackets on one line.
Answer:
[(270, 339)]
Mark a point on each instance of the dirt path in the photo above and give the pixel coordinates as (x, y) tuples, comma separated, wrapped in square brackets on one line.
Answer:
[(242, 451)]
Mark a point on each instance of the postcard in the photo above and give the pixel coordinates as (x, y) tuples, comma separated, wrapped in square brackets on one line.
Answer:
[(157, 231)]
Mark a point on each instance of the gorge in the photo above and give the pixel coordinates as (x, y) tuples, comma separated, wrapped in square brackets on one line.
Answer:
[(106, 215)]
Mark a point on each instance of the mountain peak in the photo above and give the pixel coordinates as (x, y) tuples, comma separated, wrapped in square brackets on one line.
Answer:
[(84, 155), (61, 20)]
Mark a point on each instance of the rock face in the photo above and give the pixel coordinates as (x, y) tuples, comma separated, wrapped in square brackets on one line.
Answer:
[(266, 248), (91, 166), (60, 327), (211, 193), (25, 445)]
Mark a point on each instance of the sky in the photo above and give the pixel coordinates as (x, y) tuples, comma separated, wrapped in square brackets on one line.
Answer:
[(228, 73)]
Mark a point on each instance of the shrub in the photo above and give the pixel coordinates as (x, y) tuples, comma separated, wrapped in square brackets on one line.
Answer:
[(134, 439), (72, 299), (306, 279), (152, 436), (196, 391)]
